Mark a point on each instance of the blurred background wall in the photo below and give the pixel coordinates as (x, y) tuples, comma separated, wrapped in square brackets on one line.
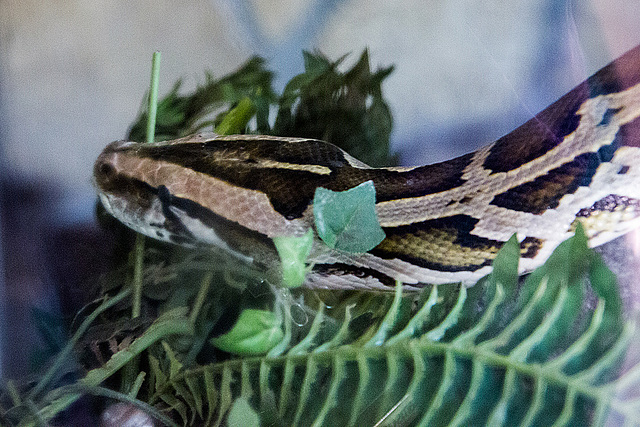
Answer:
[(73, 74)]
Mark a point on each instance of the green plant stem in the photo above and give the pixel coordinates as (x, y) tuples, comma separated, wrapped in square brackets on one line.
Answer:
[(135, 389), (13, 393), (153, 97), (137, 276), (130, 371), (112, 394), (201, 297), (151, 129), (37, 420)]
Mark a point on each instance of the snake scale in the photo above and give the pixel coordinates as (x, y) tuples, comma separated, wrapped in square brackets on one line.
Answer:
[(577, 160)]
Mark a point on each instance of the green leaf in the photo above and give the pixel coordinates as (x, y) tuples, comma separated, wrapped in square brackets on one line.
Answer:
[(315, 64), (236, 120), (507, 351), (179, 115), (344, 108), (293, 252), (347, 220), (498, 353), (255, 333), (242, 414), (175, 366)]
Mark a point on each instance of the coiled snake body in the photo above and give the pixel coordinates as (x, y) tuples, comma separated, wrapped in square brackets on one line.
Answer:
[(577, 160)]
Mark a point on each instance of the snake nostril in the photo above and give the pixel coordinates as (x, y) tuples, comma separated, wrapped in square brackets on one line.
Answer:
[(105, 174), (106, 170)]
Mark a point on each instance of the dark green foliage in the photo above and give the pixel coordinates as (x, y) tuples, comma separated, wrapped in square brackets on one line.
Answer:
[(346, 109), (180, 115), (499, 353), (506, 351), (53, 334)]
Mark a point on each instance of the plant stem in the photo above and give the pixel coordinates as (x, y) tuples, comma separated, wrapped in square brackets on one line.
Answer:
[(137, 275), (114, 395), (153, 97), (151, 129), (200, 298)]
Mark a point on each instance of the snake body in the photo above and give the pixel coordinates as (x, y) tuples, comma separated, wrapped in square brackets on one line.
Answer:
[(577, 160)]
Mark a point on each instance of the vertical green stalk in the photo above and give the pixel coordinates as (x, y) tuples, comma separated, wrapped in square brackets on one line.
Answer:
[(153, 97), (130, 371), (138, 257), (151, 129), (201, 297)]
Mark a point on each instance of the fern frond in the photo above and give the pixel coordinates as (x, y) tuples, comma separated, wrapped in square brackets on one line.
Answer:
[(499, 353)]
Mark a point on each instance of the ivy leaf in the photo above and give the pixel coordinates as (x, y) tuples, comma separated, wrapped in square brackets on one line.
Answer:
[(347, 220), (293, 253), (255, 333)]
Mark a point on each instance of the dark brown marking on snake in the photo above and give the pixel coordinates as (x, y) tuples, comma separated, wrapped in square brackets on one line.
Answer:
[(617, 76), (610, 203), (629, 134), (443, 244), (178, 232), (547, 129), (341, 269), (537, 136), (291, 190), (121, 185), (466, 199), (395, 185), (530, 246), (545, 192)]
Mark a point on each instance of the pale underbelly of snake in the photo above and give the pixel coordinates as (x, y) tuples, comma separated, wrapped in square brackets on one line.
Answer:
[(577, 160)]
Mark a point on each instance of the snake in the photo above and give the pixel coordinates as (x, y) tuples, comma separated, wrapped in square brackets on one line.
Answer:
[(578, 160)]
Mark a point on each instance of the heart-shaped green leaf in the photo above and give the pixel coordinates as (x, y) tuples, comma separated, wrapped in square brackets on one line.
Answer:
[(255, 333), (347, 220)]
